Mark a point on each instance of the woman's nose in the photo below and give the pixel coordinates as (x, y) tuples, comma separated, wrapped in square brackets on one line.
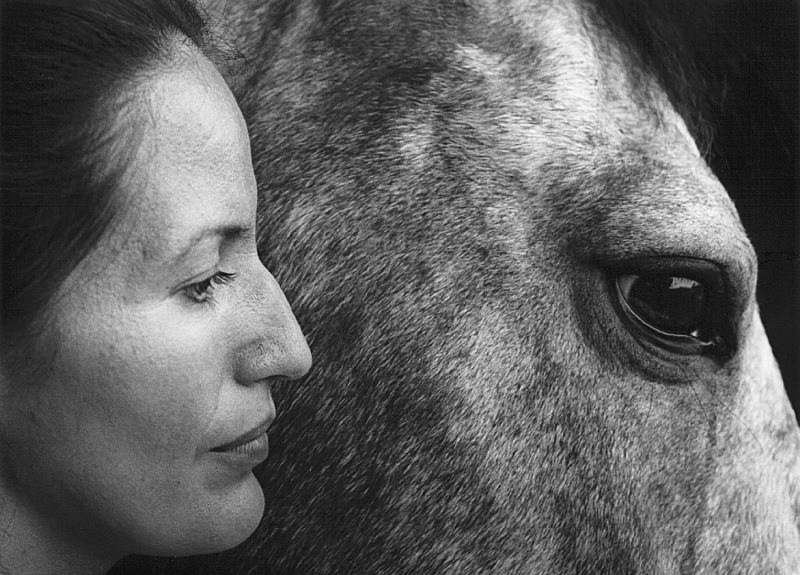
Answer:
[(275, 346)]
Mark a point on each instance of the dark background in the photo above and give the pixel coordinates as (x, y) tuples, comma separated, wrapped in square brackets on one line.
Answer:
[(756, 115)]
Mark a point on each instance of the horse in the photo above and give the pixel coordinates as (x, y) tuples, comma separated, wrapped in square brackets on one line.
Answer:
[(531, 303)]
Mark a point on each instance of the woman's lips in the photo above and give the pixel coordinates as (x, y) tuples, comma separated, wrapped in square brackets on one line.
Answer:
[(252, 445)]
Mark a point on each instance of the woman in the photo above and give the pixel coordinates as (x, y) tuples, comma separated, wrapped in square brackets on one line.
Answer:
[(140, 332)]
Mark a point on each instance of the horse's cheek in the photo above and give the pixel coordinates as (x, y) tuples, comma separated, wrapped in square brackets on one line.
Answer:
[(754, 497)]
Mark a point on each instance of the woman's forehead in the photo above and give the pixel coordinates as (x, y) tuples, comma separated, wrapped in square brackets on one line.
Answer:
[(192, 170), (188, 103)]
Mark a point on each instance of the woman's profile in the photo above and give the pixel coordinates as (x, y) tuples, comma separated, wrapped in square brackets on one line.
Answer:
[(140, 331)]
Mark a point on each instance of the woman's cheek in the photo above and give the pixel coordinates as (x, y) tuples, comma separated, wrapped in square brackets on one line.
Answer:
[(175, 376), (151, 374)]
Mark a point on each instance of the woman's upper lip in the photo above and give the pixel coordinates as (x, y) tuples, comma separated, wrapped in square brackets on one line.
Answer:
[(248, 436)]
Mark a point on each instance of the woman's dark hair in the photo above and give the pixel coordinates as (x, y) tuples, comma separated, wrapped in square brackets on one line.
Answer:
[(68, 69)]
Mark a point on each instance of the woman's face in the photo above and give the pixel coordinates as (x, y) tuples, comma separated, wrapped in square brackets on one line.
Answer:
[(142, 430)]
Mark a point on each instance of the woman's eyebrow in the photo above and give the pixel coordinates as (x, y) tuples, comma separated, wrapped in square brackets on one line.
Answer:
[(227, 232)]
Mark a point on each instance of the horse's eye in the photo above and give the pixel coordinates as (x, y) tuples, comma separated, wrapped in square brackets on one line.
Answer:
[(673, 311)]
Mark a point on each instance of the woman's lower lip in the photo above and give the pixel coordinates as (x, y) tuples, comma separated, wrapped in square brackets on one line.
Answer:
[(255, 451)]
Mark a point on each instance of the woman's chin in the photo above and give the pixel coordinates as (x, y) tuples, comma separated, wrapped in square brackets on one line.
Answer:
[(237, 517), (219, 521)]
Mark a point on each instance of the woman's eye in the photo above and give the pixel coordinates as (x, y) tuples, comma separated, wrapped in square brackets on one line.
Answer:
[(203, 291), (673, 311)]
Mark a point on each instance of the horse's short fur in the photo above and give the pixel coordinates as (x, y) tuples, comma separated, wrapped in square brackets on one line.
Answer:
[(446, 189)]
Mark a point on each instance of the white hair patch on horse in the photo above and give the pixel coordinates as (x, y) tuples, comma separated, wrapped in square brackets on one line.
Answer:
[(415, 139), (480, 61)]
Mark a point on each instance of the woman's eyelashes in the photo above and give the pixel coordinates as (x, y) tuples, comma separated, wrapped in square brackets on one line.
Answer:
[(203, 291)]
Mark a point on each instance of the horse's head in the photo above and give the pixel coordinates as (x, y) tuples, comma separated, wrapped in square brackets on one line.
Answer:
[(531, 304)]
